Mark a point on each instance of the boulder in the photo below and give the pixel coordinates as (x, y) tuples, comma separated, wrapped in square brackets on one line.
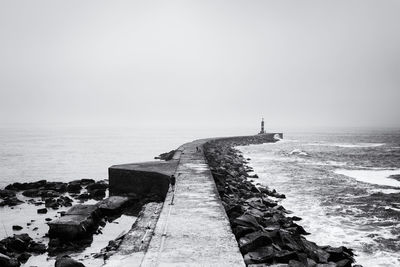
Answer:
[(6, 193), (17, 227), (252, 241), (98, 185), (261, 255), (42, 211), (67, 262), (10, 201), (97, 193), (6, 261), (113, 204), (78, 221), (74, 187), (31, 193)]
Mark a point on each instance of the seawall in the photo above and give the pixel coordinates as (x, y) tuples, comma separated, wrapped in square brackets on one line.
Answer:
[(192, 227)]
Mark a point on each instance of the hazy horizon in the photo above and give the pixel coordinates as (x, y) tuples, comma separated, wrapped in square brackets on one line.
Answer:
[(206, 64)]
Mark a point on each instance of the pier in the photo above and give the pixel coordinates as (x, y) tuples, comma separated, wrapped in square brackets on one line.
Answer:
[(191, 228)]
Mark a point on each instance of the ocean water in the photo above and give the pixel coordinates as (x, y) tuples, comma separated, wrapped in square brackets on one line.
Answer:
[(68, 153), (343, 186)]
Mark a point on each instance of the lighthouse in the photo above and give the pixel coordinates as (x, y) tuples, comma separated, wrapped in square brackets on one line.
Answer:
[(262, 127)]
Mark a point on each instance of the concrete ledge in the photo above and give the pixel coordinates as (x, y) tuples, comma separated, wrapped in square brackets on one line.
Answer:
[(139, 180)]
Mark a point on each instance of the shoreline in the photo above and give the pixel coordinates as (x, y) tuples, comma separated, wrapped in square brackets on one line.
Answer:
[(264, 232)]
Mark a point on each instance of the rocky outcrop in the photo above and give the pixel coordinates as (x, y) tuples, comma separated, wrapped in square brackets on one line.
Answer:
[(18, 249), (266, 234)]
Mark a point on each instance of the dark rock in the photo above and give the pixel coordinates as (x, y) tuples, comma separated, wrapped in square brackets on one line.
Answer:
[(166, 156), (252, 241), (261, 254), (98, 185), (37, 248), (6, 261), (31, 193), (77, 222), (49, 193), (247, 221), (343, 263), (24, 257), (42, 211), (84, 196), (74, 187), (17, 227), (10, 201), (6, 193), (87, 181), (97, 193), (67, 262), (113, 205)]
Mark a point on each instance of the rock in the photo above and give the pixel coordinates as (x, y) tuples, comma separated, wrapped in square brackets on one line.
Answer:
[(16, 244), (285, 256), (24, 257), (78, 221), (98, 185), (10, 201), (6, 193), (74, 187), (31, 193), (37, 248), (252, 241), (42, 211), (261, 255), (343, 263), (97, 193), (84, 196), (17, 227), (87, 181), (49, 193), (67, 262), (339, 253), (113, 204), (247, 221), (6, 261)]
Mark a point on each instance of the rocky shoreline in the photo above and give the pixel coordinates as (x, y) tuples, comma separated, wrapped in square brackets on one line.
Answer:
[(63, 239), (265, 232)]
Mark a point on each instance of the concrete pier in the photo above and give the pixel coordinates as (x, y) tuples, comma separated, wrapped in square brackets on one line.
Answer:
[(192, 228)]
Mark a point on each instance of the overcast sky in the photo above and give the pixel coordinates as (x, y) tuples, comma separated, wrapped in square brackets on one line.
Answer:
[(297, 63)]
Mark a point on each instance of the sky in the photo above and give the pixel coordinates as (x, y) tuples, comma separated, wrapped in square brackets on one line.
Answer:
[(201, 63)]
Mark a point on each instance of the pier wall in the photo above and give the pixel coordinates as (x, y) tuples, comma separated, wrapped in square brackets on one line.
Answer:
[(192, 228)]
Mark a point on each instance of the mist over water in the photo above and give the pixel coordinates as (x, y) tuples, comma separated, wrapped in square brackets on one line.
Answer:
[(338, 184), (66, 153)]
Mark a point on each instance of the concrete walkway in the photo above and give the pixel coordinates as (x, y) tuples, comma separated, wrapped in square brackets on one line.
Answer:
[(194, 230)]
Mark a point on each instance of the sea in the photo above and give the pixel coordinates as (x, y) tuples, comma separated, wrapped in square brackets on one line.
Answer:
[(343, 184)]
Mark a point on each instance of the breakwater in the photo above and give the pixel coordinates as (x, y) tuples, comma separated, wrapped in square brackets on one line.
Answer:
[(265, 232), (214, 217)]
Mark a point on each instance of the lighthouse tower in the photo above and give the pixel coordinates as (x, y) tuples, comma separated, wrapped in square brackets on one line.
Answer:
[(262, 127)]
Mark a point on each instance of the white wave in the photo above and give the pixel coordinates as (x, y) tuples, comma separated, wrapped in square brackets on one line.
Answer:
[(372, 176), (385, 191), (298, 152), (348, 145), (326, 163)]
